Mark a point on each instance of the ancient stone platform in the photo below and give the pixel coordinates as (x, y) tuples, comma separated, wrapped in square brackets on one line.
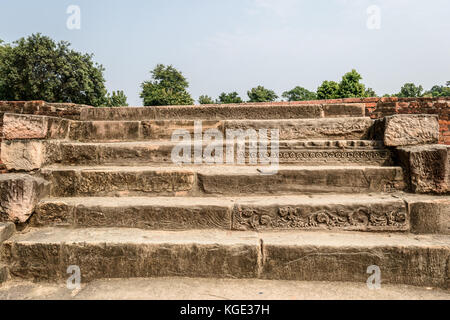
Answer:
[(101, 191)]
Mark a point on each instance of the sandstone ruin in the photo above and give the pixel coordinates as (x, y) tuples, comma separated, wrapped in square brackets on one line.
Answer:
[(360, 183)]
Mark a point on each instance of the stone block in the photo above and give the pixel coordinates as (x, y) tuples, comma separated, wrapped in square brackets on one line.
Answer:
[(346, 257), (6, 231), (303, 129), (19, 194), (4, 273), (343, 212), (19, 126), (409, 130), (119, 182), (430, 216), (22, 155), (105, 131), (426, 168)]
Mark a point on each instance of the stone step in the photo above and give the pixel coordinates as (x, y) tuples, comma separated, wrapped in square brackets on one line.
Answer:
[(44, 254), (192, 289), (350, 128), (219, 180), (219, 112), (318, 212), (311, 152)]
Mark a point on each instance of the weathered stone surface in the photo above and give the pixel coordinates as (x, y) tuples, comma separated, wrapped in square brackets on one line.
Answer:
[(311, 152), (105, 130), (19, 193), (146, 213), (426, 168), (407, 130), (408, 259), (194, 289), (19, 126), (219, 180), (45, 254), (223, 112), (22, 155), (430, 216), (344, 110), (6, 230), (352, 128), (163, 129), (309, 129), (292, 180), (333, 212), (343, 212), (4, 273), (117, 181)]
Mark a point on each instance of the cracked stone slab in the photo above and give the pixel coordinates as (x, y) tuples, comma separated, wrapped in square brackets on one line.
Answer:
[(426, 168), (44, 254), (22, 155), (223, 112), (19, 194), (24, 126), (214, 289), (407, 259), (6, 230), (407, 130), (429, 214)]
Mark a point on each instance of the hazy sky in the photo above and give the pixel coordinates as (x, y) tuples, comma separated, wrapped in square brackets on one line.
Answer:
[(234, 45)]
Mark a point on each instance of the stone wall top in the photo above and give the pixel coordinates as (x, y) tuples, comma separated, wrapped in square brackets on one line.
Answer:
[(38, 107)]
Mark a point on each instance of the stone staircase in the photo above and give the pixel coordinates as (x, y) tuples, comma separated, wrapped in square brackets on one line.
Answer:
[(117, 206)]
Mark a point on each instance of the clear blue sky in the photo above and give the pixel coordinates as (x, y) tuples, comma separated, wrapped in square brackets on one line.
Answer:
[(233, 45)]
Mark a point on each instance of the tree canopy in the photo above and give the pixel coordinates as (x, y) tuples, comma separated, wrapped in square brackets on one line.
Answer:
[(227, 98), (350, 86), (38, 68), (204, 99), (167, 87), (299, 94), (410, 90), (116, 99), (261, 94), (439, 91), (328, 90)]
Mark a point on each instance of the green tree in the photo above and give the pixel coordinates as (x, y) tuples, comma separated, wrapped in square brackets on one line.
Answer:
[(370, 93), (37, 68), (3, 49), (167, 87), (410, 90), (328, 90), (261, 94), (205, 100), (116, 99), (439, 91), (299, 94), (227, 98), (350, 86)]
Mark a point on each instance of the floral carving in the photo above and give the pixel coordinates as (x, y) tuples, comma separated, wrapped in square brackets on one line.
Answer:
[(290, 217)]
